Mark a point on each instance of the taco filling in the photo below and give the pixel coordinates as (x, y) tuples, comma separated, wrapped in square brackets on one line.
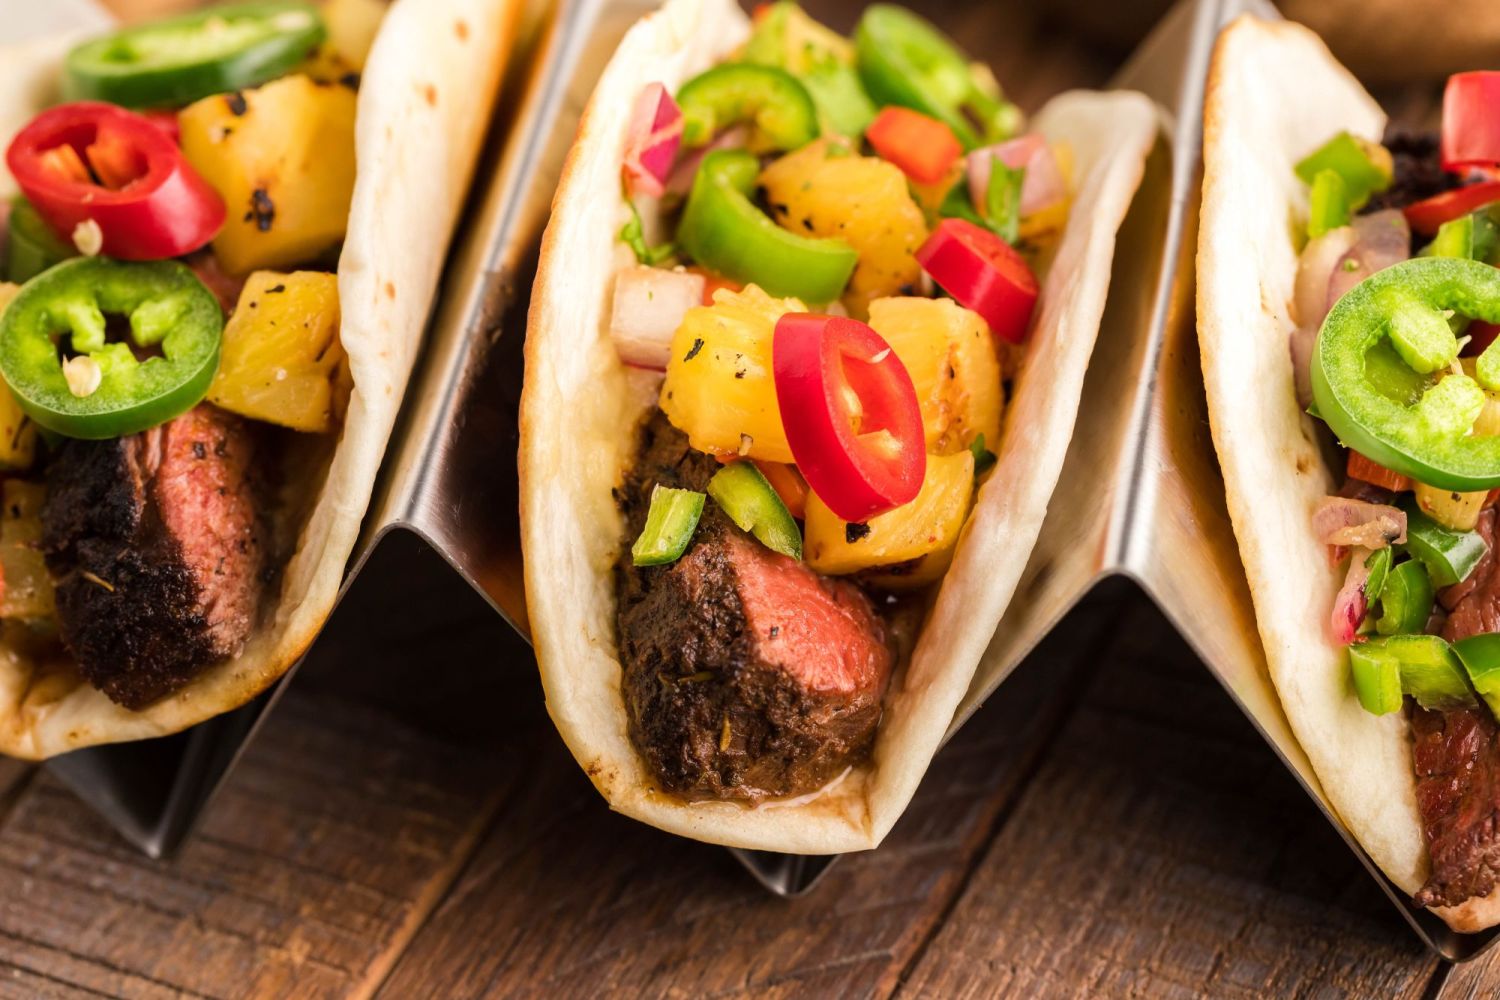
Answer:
[(842, 269), (1397, 304), (169, 341)]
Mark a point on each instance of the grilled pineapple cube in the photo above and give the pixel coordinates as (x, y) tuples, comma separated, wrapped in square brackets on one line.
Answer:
[(17, 432), (825, 190), (926, 529), (27, 586), (282, 158), (720, 389), (281, 357), (950, 355)]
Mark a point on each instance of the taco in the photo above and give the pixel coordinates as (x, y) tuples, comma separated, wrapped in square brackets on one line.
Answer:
[(1347, 305), (223, 233), (775, 491)]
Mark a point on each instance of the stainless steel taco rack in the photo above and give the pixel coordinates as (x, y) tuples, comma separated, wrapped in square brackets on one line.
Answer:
[(1140, 504)]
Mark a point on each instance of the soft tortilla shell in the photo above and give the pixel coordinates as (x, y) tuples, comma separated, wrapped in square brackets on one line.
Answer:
[(580, 406), (423, 107), (1274, 94)]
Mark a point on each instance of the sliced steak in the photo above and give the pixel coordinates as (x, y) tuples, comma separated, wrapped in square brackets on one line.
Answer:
[(746, 674), (156, 546), (1457, 758), (1418, 172), (1473, 604)]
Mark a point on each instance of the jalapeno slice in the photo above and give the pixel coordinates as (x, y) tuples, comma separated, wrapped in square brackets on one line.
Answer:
[(780, 108), (33, 246), (1405, 307), (178, 61), (175, 324)]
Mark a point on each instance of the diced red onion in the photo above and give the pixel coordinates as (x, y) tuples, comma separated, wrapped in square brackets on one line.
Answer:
[(652, 140), (649, 305), (1302, 342), (1314, 271), (681, 179), (1344, 521), (1380, 240), (1042, 187), (1350, 605)]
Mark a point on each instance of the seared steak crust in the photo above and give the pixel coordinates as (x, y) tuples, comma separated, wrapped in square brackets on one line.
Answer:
[(746, 675), (1418, 173), (1457, 757), (156, 546)]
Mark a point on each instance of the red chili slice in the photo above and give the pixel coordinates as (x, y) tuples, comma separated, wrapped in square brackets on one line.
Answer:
[(98, 162), (1427, 215), (1471, 121), (850, 413), (984, 273)]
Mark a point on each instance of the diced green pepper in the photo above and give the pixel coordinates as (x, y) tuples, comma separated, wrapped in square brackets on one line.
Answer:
[(1450, 556), (771, 99), (1430, 671), (722, 229), (752, 503), (670, 523), (1377, 678), (1379, 565), (822, 60), (1405, 599), (1480, 655), (1364, 167), (1327, 203), (1429, 440), (32, 245), (1455, 238)]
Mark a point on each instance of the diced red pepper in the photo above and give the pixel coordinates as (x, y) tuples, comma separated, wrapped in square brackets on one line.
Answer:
[(924, 148), (984, 273), (788, 484), (850, 413), (713, 282), (1471, 120), (136, 186), (1427, 215), (1361, 468)]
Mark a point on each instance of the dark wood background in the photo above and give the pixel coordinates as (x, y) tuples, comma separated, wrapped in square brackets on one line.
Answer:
[(408, 824)]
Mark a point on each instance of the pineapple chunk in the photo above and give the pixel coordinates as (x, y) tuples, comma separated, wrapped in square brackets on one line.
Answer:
[(281, 355), (827, 191), (926, 529), (720, 389), (27, 586), (282, 158), (950, 355), (17, 432)]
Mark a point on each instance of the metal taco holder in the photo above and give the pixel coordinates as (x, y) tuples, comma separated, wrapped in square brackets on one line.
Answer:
[(1140, 479)]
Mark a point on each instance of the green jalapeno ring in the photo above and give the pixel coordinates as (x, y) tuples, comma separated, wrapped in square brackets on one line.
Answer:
[(168, 307), (1428, 441), (782, 110), (723, 229), (177, 61)]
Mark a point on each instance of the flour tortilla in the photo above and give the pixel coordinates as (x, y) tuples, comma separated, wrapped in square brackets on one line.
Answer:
[(580, 408), (423, 108), (1275, 93)]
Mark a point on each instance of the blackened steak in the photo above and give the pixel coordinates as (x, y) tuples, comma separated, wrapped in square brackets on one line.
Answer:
[(156, 547), (746, 674), (1417, 173)]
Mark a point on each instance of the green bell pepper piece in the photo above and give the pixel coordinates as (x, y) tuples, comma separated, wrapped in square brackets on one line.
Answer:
[(1405, 599), (753, 503), (1403, 305), (670, 523), (170, 312), (33, 246), (1377, 678), (1327, 203), (780, 108), (1364, 167), (175, 62), (904, 60), (1450, 556), (1480, 655), (822, 60), (722, 229), (1430, 671)]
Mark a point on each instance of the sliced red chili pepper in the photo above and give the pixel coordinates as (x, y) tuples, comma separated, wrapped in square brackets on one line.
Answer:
[(1361, 468), (1471, 125), (96, 162), (984, 273), (1427, 215), (924, 148), (850, 413), (1481, 335)]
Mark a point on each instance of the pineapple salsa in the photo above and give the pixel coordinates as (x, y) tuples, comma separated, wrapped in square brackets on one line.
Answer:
[(831, 251)]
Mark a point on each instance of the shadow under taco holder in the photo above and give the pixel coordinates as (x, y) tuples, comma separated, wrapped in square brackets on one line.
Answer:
[(1140, 503)]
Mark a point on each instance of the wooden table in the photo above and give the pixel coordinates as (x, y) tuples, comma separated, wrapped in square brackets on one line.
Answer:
[(408, 824)]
